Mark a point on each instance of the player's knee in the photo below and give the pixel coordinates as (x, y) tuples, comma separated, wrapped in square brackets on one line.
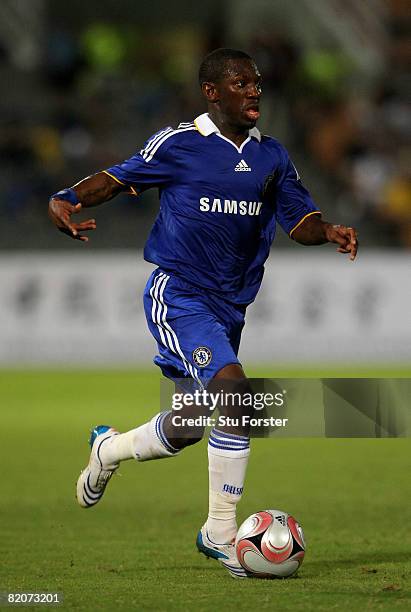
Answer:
[(191, 441), (182, 431), (181, 442), (236, 401)]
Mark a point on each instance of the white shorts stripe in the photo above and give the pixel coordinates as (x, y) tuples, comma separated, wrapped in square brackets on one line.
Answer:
[(161, 314), (160, 318), (167, 334), (177, 349), (156, 306), (191, 369)]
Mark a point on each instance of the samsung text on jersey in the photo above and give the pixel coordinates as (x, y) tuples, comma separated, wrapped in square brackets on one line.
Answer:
[(231, 207)]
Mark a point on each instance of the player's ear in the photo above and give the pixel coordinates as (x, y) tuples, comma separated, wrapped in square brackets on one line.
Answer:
[(210, 92)]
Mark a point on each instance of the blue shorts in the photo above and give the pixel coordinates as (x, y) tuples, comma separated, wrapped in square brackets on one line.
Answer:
[(197, 332)]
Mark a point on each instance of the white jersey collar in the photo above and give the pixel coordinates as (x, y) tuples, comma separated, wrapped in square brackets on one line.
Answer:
[(206, 127)]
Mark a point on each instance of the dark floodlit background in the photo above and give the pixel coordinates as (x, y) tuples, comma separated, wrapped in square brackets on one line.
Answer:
[(85, 83)]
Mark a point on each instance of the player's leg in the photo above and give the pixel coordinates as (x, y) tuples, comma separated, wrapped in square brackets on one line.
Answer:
[(109, 447), (228, 454), (150, 440)]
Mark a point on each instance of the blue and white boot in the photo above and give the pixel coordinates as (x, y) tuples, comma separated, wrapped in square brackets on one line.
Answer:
[(94, 478), (223, 553)]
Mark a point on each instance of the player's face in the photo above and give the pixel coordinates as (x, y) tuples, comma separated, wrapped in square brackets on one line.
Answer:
[(239, 93)]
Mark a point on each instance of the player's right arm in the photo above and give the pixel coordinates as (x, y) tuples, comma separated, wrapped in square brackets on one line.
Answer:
[(150, 167), (91, 191)]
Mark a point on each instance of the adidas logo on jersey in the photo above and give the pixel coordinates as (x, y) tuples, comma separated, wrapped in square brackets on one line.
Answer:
[(242, 167)]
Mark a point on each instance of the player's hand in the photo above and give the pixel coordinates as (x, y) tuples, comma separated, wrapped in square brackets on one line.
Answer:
[(60, 212), (345, 237)]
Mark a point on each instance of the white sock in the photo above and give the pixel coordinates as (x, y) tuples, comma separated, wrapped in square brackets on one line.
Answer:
[(143, 443), (227, 463)]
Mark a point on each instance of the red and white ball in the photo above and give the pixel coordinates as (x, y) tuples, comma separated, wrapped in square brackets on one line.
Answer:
[(270, 544)]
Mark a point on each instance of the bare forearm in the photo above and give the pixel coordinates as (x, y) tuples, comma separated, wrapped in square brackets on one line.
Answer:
[(315, 231), (312, 231), (96, 189)]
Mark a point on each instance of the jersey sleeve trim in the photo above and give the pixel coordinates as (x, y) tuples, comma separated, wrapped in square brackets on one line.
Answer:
[(152, 141), (114, 178), (149, 156), (131, 191), (313, 212)]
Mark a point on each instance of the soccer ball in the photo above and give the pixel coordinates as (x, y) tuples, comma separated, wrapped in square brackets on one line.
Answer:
[(270, 544)]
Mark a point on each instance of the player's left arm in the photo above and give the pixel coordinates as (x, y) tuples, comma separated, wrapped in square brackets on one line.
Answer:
[(313, 230)]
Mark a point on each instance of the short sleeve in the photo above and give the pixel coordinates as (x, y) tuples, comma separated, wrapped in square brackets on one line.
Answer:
[(151, 167), (294, 203)]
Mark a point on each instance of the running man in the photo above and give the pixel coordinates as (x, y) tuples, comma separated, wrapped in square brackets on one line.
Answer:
[(223, 188)]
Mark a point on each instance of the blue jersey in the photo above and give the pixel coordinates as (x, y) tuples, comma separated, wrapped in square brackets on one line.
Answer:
[(215, 226)]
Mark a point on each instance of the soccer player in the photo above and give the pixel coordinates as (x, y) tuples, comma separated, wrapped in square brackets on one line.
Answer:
[(223, 188)]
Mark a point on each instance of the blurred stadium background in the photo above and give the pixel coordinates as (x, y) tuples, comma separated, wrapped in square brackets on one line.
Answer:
[(84, 84)]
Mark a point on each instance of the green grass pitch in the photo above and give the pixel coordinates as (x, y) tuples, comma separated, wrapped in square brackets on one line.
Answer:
[(135, 551)]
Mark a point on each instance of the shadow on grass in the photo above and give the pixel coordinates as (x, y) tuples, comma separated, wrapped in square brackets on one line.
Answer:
[(365, 560), (369, 564)]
